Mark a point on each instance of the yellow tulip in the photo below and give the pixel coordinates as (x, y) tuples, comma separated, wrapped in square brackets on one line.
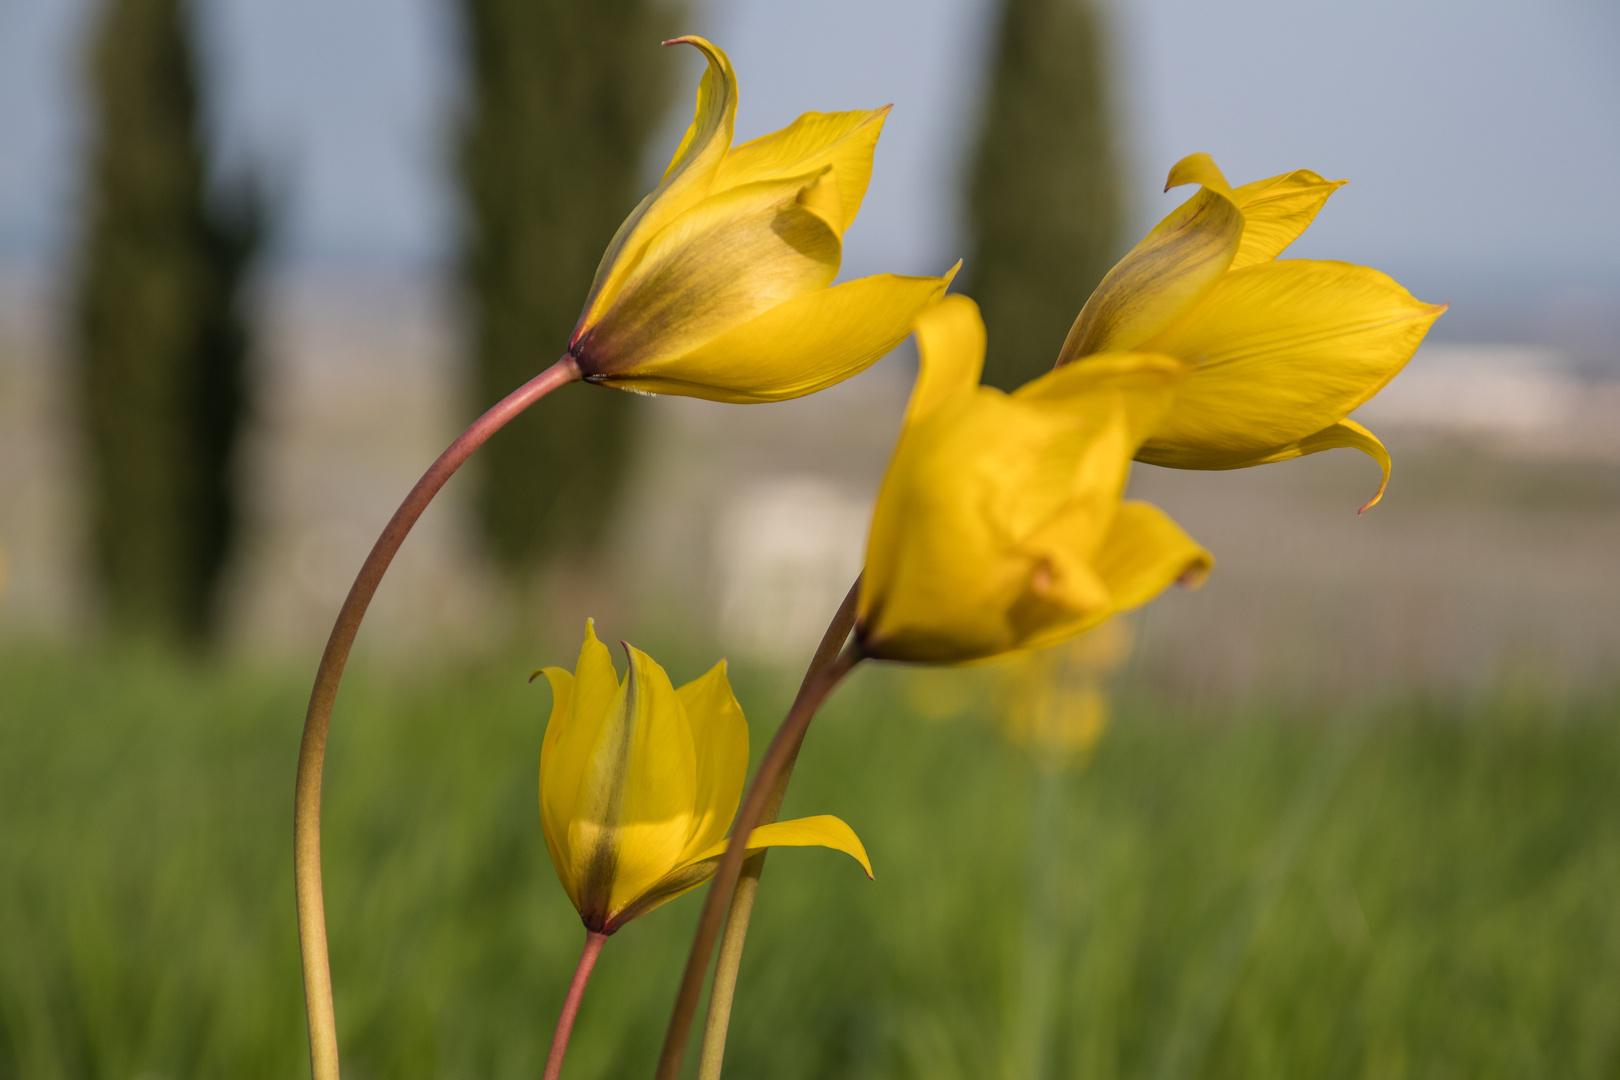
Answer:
[(1284, 350), (639, 782), (716, 286), (999, 525)]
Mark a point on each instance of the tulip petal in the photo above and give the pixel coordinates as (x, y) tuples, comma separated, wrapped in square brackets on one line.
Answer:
[(1350, 435), (562, 691), (649, 768), (571, 740), (1346, 434), (1276, 211), (720, 738), (1199, 168), (1284, 350), (946, 554), (798, 347), (950, 352), (1145, 553), (728, 259), (687, 181), (1142, 381), (1165, 275), (821, 830), (844, 140), (595, 680), (1114, 401)]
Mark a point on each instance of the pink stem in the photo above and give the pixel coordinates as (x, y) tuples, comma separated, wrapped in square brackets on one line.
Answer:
[(576, 993), (778, 756), (323, 1050)]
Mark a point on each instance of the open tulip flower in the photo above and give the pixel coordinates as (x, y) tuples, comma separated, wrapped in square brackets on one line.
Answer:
[(716, 286), (999, 525), (1284, 349), (639, 782)]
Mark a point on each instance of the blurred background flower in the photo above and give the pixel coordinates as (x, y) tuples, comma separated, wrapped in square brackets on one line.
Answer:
[(1053, 702)]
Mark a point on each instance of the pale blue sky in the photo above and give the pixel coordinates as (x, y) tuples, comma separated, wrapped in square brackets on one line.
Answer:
[(1482, 137)]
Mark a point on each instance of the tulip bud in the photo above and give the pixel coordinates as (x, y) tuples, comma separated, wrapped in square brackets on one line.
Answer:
[(639, 782)]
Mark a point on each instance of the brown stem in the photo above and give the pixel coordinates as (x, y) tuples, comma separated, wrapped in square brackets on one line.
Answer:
[(724, 988), (323, 1049), (777, 755), (576, 992)]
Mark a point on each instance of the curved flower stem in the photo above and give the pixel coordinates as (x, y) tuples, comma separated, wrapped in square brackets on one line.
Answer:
[(323, 1050), (742, 901), (576, 991), (777, 757)]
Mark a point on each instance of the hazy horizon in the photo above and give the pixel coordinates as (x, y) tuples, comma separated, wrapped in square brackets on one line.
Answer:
[(1476, 138)]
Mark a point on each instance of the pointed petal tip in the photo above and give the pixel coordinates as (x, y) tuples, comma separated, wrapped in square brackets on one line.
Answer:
[(536, 673), (1195, 575), (1199, 168)]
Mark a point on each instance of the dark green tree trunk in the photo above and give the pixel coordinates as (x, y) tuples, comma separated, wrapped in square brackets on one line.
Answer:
[(564, 98), (161, 339), (1045, 195)]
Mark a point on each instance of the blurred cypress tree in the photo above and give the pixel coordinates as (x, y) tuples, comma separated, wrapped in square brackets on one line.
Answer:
[(1044, 200), (161, 338), (565, 97)]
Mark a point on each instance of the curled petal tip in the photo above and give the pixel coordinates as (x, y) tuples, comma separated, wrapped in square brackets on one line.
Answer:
[(536, 673), (1383, 486), (1199, 168)]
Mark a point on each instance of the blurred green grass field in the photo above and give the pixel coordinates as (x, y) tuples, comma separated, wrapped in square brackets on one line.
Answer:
[(1419, 890)]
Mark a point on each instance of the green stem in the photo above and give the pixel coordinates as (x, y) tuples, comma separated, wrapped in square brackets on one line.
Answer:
[(576, 993), (323, 1048), (777, 756), (1031, 1031), (742, 901)]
